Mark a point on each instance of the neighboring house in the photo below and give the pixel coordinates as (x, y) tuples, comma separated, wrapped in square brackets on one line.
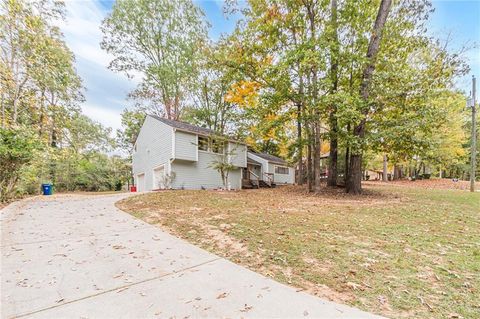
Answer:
[(267, 168), (173, 154)]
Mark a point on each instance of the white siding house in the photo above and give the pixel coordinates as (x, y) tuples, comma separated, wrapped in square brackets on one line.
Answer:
[(173, 154), (269, 167)]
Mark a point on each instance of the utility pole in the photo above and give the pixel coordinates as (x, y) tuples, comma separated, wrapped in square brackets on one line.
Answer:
[(474, 137)]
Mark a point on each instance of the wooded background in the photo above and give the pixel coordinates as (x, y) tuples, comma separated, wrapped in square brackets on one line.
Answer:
[(357, 81)]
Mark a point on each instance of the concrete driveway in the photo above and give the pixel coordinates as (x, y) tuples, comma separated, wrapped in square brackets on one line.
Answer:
[(77, 256)]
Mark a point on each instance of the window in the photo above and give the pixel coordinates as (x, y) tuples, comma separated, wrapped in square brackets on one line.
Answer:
[(203, 143), (281, 170), (217, 146), (210, 145)]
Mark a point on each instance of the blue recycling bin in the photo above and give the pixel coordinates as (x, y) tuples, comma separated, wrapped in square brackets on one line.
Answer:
[(47, 189)]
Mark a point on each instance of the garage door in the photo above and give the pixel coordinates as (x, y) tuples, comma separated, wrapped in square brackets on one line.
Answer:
[(141, 182), (158, 178)]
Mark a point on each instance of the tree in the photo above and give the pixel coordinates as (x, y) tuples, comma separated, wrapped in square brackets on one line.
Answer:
[(160, 41), (39, 82), (17, 147), (333, 122), (354, 180), (222, 162), (132, 122), (210, 107)]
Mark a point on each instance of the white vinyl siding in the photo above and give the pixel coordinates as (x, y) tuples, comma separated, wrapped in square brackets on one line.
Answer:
[(158, 177), (140, 182), (238, 154), (153, 148), (261, 161), (160, 145), (268, 167), (185, 146), (195, 175), (282, 178)]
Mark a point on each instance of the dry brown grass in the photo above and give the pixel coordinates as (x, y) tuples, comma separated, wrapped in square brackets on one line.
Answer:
[(402, 252)]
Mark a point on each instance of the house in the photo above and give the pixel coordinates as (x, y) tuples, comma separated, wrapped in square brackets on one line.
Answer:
[(266, 170), (174, 154)]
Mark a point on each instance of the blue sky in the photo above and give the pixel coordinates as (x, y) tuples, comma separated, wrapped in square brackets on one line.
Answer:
[(106, 91)]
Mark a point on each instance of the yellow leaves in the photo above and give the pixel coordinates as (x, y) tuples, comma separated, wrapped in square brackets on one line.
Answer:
[(271, 117), (267, 60), (325, 148), (243, 93), (250, 141), (283, 150), (270, 134)]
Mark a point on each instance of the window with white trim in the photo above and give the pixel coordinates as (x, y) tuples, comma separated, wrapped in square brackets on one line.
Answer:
[(281, 170), (211, 145), (203, 143)]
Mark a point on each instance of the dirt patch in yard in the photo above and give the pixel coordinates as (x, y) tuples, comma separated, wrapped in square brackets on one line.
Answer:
[(404, 252)]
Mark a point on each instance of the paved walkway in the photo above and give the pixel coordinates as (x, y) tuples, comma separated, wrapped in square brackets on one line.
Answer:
[(77, 256)]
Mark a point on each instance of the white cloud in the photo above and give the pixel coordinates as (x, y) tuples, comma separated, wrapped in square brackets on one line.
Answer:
[(107, 117), (105, 90), (82, 30)]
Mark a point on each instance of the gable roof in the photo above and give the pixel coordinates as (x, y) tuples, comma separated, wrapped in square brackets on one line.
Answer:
[(183, 126), (271, 158), (187, 127)]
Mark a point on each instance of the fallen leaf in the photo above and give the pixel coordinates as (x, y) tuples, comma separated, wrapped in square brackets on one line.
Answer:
[(222, 295), (382, 299), (353, 285), (246, 308)]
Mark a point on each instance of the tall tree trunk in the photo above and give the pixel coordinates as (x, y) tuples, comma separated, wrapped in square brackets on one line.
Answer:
[(315, 149), (309, 167), (354, 184), (385, 168), (3, 111), (316, 158), (299, 129), (397, 171), (333, 155), (347, 159), (300, 145)]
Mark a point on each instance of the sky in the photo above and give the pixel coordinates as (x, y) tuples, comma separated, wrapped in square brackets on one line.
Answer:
[(106, 91)]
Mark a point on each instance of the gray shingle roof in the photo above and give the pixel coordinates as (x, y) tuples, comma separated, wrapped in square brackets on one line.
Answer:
[(185, 126), (271, 158)]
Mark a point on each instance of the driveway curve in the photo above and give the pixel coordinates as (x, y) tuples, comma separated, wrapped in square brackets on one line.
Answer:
[(78, 256)]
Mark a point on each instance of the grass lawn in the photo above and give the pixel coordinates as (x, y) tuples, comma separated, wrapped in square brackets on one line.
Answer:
[(402, 252)]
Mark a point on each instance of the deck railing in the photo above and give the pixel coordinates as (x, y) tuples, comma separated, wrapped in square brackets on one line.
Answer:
[(268, 178), (256, 180)]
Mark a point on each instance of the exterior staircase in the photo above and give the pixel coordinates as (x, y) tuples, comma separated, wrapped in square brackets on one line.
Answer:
[(249, 184)]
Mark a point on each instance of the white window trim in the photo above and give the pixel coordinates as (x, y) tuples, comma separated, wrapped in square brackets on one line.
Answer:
[(209, 151), (275, 170)]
